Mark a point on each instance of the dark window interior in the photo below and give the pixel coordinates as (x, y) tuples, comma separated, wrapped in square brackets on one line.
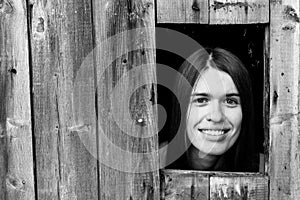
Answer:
[(245, 41)]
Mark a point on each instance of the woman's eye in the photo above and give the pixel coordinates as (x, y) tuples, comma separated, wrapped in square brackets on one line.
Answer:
[(201, 100), (232, 102)]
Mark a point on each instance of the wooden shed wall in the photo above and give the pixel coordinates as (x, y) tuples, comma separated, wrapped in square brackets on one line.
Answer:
[(16, 150), (59, 67), (284, 160)]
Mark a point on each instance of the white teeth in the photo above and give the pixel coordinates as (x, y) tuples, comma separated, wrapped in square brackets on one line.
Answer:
[(213, 132)]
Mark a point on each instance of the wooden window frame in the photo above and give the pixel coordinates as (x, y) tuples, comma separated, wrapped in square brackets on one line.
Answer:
[(181, 184)]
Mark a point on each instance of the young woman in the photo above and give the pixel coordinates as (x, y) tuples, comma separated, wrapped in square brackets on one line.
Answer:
[(212, 119)]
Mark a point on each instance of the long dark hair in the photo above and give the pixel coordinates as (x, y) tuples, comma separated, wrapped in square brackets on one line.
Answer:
[(241, 156)]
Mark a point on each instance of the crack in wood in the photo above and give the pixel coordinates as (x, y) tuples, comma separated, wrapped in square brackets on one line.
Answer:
[(81, 128), (289, 27), (275, 98), (281, 118)]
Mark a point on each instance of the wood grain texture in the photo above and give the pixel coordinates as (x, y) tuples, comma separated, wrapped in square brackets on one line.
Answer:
[(184, 185), (239, 187), (64, 100), (266, 101), (238, 11), (16, 158), (125, 38), (284, 160), (188, 184), (182, 11)]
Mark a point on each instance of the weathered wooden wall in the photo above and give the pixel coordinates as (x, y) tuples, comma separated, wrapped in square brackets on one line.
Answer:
[(70, 93), (125, 39), (178, 11), (238, 11), (64, 116), (72, 125), (213, 12), (284, 156), (16, 153)]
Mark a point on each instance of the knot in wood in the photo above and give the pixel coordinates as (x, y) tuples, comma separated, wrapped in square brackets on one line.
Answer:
[(5, 7), (40, 26), (14, 182), (13, 71), (291, 14), (138, 109), (195, 7)]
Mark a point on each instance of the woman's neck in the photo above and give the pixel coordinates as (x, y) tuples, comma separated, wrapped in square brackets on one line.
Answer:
[(199, 160)]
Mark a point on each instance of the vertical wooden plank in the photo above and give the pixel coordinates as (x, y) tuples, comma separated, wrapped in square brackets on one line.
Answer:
[(16, 158), (179, 184), (238, 11), (125, 61), (64, 100), (182, 11), (284, 150), (239, 187), (266, 103)]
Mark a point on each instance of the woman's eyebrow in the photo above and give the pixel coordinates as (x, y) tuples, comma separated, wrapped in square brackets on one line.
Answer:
[(208, 95), (232, 94), (201, 94)]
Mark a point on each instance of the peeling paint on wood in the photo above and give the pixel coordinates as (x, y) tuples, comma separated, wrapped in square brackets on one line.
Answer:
[(180, 184), (243, 187), (238, 11), (183, 184), (218, 5), (289, 27), (290, 13)]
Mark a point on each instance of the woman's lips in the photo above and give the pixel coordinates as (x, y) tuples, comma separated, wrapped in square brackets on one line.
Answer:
[(214, 132)]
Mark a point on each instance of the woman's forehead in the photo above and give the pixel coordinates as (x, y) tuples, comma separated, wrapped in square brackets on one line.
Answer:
[(214, 81)]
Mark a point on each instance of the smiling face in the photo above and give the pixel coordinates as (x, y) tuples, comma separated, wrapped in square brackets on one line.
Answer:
[(214, 115)]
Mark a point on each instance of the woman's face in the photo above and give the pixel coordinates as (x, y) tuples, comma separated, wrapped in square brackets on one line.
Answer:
[(214, 115)]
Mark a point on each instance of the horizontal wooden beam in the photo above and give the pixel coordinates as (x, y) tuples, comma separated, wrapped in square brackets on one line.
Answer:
[(239, 186), (238, 11), (183, 184), (213, 11), (179, 11)]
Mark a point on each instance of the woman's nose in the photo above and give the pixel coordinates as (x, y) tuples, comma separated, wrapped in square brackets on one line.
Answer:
[(216, 112)]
